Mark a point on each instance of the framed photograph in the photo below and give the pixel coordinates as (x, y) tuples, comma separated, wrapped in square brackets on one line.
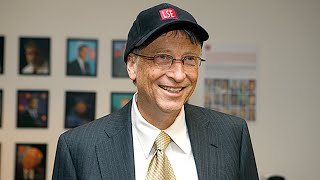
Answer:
[(34, 56), (1, 97), (1, 54), (120, 99), (80, 108), (32, 110), (232, 96), (82, 57), (119, 67), (0, 160), (31, 161)]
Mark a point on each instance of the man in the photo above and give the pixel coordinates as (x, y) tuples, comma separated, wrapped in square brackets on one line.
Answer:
[(36, 64), (79, 66), (31, 117), (29, 168), (157, 135)]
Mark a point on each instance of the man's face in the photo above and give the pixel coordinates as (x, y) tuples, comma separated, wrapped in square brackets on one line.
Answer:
[(31, 54), (33, 103), (83, 53), (160, 89), (32, 158)]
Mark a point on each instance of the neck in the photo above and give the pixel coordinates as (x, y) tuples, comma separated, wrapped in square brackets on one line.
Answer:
[(156, 117)]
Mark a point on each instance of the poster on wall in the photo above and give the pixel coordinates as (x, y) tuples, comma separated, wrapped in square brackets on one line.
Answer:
[(119, 68), (230, 82), (82, 57), (32, 110), (120, 99), (34, 56), (31, 161), (1, 54), (80, 108)]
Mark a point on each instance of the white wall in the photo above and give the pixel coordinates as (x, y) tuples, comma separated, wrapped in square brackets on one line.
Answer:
[(286, 33)]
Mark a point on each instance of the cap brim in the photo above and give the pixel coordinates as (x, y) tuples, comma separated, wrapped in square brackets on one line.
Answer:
[(179, 24)]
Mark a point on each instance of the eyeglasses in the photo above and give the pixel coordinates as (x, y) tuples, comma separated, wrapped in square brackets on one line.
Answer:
[(165, 60)]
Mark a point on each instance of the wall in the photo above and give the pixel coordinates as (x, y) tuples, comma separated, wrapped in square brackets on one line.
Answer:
[(286, 33)]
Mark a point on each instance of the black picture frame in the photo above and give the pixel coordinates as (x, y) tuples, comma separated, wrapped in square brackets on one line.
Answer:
[(120, 99), (1, 106), (31, 160), (32, 108), (88, 50), (0, 159), (119, 68), (34, 56), (80, 108), (2, 46)]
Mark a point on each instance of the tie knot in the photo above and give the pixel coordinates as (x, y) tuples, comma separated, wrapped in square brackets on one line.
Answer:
[(162, 141)]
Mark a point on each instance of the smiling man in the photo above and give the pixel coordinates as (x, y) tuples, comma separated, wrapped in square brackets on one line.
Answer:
[(157, 135)]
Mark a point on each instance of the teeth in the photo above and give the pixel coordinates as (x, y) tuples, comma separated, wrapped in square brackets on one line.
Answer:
[(171, 89)]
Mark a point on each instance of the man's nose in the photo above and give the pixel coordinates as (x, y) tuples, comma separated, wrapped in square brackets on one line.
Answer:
[(177, 71)]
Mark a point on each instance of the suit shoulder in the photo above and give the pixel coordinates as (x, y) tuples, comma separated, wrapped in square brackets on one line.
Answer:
[(90, 131), (215, 117)]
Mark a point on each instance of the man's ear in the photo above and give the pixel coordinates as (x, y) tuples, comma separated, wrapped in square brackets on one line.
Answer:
[(132, 67)]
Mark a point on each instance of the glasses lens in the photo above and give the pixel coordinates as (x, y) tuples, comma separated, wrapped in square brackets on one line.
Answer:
[(191, 61), (163, 60)]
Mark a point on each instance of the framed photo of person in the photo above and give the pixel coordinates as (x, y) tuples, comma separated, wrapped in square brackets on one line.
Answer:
[(80, 108), (0, 160), (1, 107), (31, 161), (120, 99), (32, 110), (1, 54), (82, 57), (119, 68), (34, 56)]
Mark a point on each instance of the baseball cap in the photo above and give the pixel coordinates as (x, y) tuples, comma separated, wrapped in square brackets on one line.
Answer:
[(151, 22)]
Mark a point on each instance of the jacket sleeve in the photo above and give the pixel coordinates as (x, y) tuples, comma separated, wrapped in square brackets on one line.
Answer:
[(63, 166), (248, 168)]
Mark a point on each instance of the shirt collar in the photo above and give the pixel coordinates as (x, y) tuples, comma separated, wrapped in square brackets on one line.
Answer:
[(147, 133)]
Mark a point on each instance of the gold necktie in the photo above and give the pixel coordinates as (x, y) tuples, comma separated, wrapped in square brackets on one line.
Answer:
[(160, 167)]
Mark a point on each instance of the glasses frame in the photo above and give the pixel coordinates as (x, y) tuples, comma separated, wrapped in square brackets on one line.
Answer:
[(173, 59)]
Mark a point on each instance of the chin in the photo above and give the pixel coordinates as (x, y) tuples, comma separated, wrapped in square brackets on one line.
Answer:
[(170, 107)]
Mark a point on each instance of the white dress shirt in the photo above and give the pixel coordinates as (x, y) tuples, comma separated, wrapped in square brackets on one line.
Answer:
[(82, 66), (179, 151)]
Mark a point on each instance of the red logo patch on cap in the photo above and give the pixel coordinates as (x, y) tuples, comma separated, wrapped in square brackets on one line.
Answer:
[(168, 14)]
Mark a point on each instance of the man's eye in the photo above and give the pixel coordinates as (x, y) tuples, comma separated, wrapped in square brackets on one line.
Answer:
[(164, 56), (190, 58)]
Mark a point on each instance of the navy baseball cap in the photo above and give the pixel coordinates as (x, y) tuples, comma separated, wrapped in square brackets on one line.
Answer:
[(152, 22)]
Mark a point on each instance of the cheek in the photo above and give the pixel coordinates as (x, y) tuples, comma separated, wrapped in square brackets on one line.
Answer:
[(193, 77)]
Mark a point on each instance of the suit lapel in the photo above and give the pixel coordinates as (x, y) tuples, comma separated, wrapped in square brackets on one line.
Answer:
[(204, 144), (115, 150)]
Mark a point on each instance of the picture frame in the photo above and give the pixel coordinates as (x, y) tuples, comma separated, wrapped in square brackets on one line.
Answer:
[(80, 108), (31, 161), (0, 160), (2, 44), (120, 99), (1, 106), (34, 56), (32, 108), (119, 68), (82, 57)]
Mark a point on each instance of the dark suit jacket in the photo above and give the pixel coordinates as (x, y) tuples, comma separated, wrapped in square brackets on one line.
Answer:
[(75, 69), (26, 120), (103, 149), (38, 173)]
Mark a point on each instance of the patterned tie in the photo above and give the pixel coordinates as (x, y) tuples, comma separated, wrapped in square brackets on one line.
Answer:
[(160, 167)]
